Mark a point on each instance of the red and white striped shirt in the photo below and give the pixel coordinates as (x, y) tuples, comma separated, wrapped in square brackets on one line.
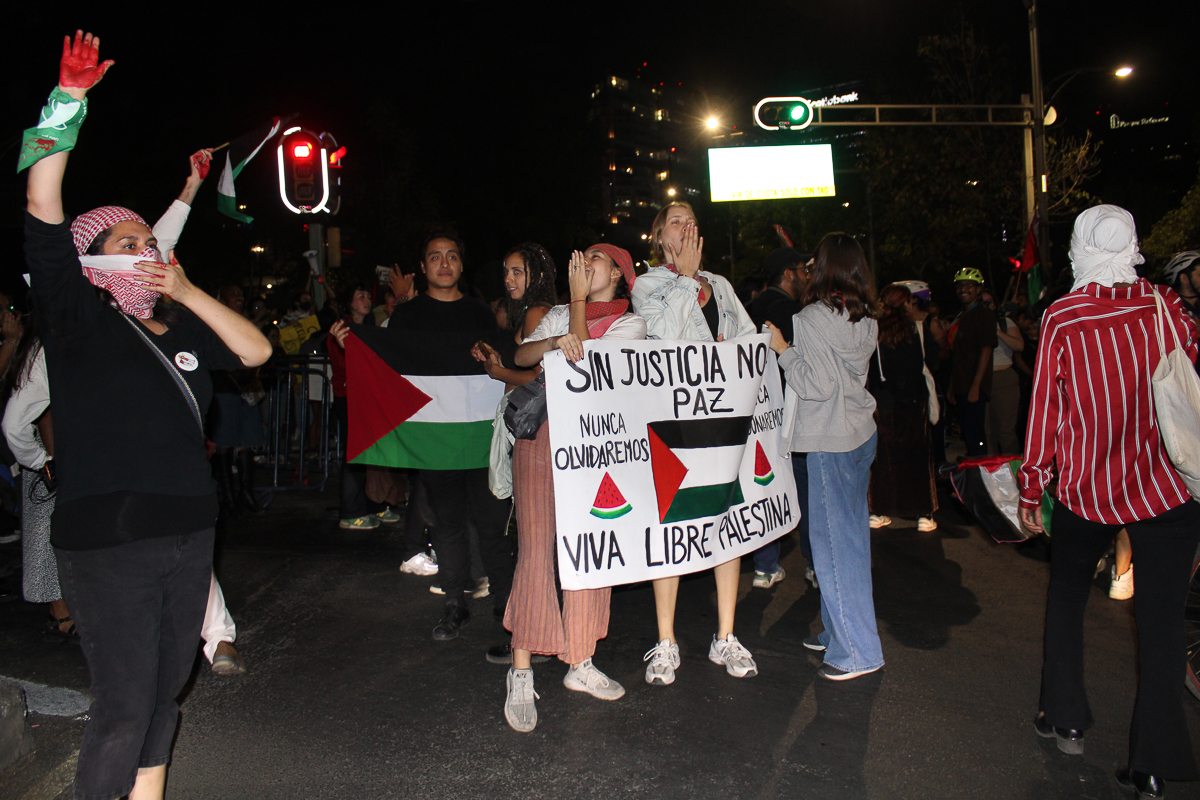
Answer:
[(1092, 414)]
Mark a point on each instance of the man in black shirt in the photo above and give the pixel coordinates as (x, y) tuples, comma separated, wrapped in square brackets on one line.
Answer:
[(787, 275), (458, 497)]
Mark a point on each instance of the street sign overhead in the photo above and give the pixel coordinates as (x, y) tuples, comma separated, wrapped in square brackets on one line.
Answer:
[(783, 113)]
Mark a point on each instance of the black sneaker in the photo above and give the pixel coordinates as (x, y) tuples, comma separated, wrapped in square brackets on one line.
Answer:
[(1147, 786), (814, 643), (1070, 740), (448, 626), (502, 654)]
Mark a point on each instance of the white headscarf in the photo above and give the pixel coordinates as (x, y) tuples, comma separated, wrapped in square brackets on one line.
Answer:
[(1104, 247)]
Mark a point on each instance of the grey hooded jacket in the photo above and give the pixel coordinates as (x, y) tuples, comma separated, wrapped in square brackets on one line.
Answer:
[(827, 369)]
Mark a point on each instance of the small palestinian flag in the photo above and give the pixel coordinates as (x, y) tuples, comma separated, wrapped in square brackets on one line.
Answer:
[(418, 401), (763, 474), (609, 502), (695, 464), (237, 156)]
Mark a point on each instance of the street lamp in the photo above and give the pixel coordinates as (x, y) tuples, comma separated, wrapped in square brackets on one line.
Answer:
[(712, 123), (1124, 72)]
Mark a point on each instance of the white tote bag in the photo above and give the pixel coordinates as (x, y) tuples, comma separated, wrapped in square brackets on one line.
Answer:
[(935, 408), (1176, 389)]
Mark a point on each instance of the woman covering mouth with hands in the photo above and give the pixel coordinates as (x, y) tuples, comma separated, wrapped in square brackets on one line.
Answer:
[(599, 280), (681, 301)]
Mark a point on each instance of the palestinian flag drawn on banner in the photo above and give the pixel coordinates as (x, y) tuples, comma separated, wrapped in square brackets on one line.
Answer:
[(418, 401), (695, 464), (237, 156)]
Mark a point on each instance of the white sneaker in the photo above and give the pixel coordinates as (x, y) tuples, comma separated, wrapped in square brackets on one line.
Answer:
[(926, 524), (1121, 587), (519, 708), (810, 575), (420, 564), (586, 678), (879, 521), (737, 659), (765, 580), (664, 660), (482, 588)]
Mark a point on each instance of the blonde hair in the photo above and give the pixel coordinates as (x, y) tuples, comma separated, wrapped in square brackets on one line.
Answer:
[(660, 222)]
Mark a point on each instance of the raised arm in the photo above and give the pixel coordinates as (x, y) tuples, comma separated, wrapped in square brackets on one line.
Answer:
[(79, 71)]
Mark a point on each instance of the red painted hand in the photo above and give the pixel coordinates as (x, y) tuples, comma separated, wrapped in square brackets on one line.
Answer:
[(201, 161), (78, 68)]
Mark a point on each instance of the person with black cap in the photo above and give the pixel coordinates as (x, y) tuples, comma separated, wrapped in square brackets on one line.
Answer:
[(787, 275)]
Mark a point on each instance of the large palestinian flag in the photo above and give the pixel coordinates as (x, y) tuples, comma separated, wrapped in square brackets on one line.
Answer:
[(695, 464), (417, 400)]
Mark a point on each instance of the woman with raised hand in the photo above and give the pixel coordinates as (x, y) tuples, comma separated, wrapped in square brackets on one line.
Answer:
[(599, 280), (679, 300), (136, 503), (826, 368)]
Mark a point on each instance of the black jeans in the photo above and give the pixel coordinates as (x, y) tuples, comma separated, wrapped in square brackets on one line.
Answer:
[(458, 498), (138, 608), (972, 419), (1163, 549), (353, 502)]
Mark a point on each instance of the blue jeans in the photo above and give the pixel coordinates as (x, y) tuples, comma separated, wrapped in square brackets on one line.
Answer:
[(766, 558), (840, 532)]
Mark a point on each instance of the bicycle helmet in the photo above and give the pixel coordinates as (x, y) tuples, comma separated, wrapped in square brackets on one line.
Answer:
[(1180, 263), (968, 274), (918, 288)]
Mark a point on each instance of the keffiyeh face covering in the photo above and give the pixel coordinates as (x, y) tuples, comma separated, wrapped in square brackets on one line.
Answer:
[(115, 274)]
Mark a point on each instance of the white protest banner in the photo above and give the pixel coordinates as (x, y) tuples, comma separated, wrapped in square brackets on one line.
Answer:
[(666, 457)]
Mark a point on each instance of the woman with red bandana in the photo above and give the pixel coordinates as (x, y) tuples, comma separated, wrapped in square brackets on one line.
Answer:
[(136, 504), (599, 280)]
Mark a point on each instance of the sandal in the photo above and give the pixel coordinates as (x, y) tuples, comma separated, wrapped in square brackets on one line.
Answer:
[(55, 633)]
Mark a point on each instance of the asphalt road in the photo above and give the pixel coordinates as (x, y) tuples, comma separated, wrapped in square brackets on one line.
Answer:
[(348, 696)]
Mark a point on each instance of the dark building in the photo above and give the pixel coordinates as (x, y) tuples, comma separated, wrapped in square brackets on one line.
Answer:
[(651, 144)]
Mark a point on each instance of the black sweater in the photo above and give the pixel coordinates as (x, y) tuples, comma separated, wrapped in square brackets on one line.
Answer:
[(130, 456)]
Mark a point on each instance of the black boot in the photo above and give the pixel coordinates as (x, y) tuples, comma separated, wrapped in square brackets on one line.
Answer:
[(222, 468), (245, 484)]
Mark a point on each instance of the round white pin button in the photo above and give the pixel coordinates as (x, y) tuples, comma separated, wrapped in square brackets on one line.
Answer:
[(186, 361)]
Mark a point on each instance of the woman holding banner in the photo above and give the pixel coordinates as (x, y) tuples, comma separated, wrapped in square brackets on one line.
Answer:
[(836, 334), (599, 280), (681, 301)]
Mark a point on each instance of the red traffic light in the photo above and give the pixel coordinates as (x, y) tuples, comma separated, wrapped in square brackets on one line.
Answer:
[(302, 150)]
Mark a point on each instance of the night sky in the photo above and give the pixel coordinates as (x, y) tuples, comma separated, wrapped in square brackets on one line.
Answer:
[(493, 96)]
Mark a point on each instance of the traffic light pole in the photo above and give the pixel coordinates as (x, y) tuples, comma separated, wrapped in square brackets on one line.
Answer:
[(1039, 144)]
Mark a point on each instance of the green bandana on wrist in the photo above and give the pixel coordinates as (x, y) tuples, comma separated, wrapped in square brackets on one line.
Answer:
[(57, 129)]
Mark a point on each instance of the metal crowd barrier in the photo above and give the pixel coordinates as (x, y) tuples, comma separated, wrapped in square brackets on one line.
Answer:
[(287, 382)]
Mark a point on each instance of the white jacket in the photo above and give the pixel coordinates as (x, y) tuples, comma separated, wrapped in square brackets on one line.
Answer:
[(27, 403), (670, 304)]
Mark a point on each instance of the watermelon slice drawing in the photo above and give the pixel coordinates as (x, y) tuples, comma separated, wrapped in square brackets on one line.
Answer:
[(762, 467), (609, 502)]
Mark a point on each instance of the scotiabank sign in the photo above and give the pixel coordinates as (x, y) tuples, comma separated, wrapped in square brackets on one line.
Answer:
[(1116, 123)]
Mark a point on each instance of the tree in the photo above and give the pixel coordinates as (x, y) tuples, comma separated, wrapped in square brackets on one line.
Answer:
[(1179, 229)]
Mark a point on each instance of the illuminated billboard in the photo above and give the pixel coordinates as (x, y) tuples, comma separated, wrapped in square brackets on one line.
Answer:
[(771, 173)]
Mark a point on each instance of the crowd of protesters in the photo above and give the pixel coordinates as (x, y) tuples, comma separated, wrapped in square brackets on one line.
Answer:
[(118, 520)]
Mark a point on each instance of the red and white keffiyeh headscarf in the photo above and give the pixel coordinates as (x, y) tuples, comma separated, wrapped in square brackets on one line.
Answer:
[(114, 273)]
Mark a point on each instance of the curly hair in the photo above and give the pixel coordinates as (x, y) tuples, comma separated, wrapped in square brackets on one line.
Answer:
[(539, 283), (894, 324)]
